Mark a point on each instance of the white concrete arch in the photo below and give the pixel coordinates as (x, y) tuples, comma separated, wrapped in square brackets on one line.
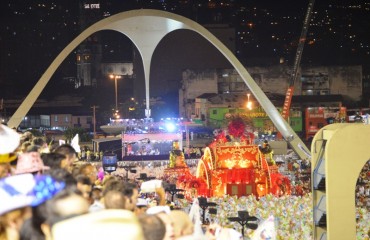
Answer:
[(146, 28)]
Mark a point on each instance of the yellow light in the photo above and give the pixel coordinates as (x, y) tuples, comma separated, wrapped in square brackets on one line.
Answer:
[(249, 103), (113, 76)]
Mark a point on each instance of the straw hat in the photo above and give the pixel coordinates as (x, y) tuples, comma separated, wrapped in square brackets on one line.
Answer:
[(30, 162), (112, 224), (9, 141)]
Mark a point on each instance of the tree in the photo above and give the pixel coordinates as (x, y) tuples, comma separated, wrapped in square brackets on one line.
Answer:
[(82, 133)]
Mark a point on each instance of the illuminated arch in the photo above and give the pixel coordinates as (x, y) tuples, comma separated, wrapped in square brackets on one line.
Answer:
[(146, 28), (203, 171), (208, 156)]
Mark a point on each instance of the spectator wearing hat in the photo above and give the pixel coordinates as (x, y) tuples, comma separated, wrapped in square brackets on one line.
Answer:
[(141, 206), (14, 204), (45, 189), (109, 224), (157, 187), (9, 142), (17, 194), (30, 162)]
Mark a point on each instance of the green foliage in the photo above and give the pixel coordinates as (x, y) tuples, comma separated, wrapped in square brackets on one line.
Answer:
[(82, 133)]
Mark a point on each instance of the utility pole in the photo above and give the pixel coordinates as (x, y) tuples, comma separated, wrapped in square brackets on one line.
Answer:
[(115, 78), (94, 119)]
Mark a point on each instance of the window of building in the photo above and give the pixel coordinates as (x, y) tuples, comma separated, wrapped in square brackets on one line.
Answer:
[(56, 118), (89, 120), (66, 119), (214, 111)]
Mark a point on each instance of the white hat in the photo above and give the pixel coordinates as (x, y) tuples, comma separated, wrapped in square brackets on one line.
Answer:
[(141, 202), (150, 186), (113, 224), (9, 139), (14, 192), (158, 209), (229, 233), (26, 190)]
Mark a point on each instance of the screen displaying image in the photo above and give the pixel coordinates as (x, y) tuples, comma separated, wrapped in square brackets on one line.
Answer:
[(110, 163)]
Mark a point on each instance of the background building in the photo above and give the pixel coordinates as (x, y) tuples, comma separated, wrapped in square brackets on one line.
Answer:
[(260, 33), (330, 86)]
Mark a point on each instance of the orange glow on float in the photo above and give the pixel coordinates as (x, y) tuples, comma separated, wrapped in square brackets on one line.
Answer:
[(232, 165)]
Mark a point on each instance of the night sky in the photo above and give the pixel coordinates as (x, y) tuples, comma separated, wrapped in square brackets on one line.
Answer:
[(32, 33)]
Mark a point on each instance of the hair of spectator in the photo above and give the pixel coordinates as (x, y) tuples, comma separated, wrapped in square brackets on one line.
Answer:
[(66, 150)]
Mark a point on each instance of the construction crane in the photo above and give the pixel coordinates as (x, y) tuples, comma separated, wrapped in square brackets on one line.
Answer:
[(297, 62)]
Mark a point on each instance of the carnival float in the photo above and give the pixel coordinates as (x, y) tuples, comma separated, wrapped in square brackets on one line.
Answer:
[(231, 165)]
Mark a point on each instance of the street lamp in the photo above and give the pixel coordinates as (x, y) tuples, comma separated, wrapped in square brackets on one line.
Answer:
[(115, 77), (249, 103)]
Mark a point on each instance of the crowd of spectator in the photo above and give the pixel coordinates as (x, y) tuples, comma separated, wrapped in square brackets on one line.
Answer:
[(363, 187), (299, 173), (46, 192)]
